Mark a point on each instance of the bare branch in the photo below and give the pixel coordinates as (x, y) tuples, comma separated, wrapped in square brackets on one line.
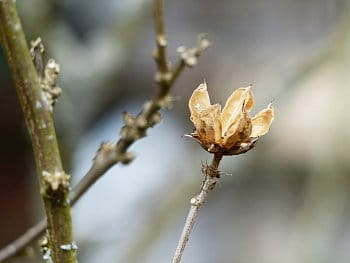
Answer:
[(161, 41), (38, 115), (211, 176)]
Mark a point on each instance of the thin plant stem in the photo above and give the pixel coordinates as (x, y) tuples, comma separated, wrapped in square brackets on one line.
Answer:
[(38, 116), (211, 177), (135, 128), (161, 41)]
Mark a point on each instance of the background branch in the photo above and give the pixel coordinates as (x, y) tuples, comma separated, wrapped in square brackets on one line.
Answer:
[(134, 129), (161, 41), (211, 176), (38, 115)]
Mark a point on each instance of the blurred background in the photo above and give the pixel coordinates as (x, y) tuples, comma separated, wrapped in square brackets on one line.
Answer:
[(285, 201)]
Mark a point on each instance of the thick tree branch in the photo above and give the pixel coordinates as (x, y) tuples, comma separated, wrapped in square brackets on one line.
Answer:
[(134, 129), (211, 176), (38, 115)]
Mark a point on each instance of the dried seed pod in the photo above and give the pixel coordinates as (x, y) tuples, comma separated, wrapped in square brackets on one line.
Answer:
[(232, 130)]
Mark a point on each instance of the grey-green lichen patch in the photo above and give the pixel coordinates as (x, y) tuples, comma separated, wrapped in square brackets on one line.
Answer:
[(56, 179), (70, 246), (49, 82)]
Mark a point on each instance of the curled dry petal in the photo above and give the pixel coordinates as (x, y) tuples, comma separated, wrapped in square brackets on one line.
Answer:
[(240, 130), (262, 121), (242, 97), (198, 102), (209, 130)]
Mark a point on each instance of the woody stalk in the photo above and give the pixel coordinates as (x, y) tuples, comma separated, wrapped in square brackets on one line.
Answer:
[(37, 91)]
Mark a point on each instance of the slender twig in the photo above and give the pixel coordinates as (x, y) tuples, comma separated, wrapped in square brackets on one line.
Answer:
[(211, 177), (38, 115), (161, 41), (135, 128)]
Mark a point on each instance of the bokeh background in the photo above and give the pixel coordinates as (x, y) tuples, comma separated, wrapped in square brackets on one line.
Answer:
[(285, 201)]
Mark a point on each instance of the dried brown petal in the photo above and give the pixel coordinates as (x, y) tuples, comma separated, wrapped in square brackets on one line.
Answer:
[(233, 107), (239, 131), (209, 129), (262, 121), (198, 102)]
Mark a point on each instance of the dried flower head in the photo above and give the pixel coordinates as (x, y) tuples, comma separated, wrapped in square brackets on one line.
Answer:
[(231, 130)]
